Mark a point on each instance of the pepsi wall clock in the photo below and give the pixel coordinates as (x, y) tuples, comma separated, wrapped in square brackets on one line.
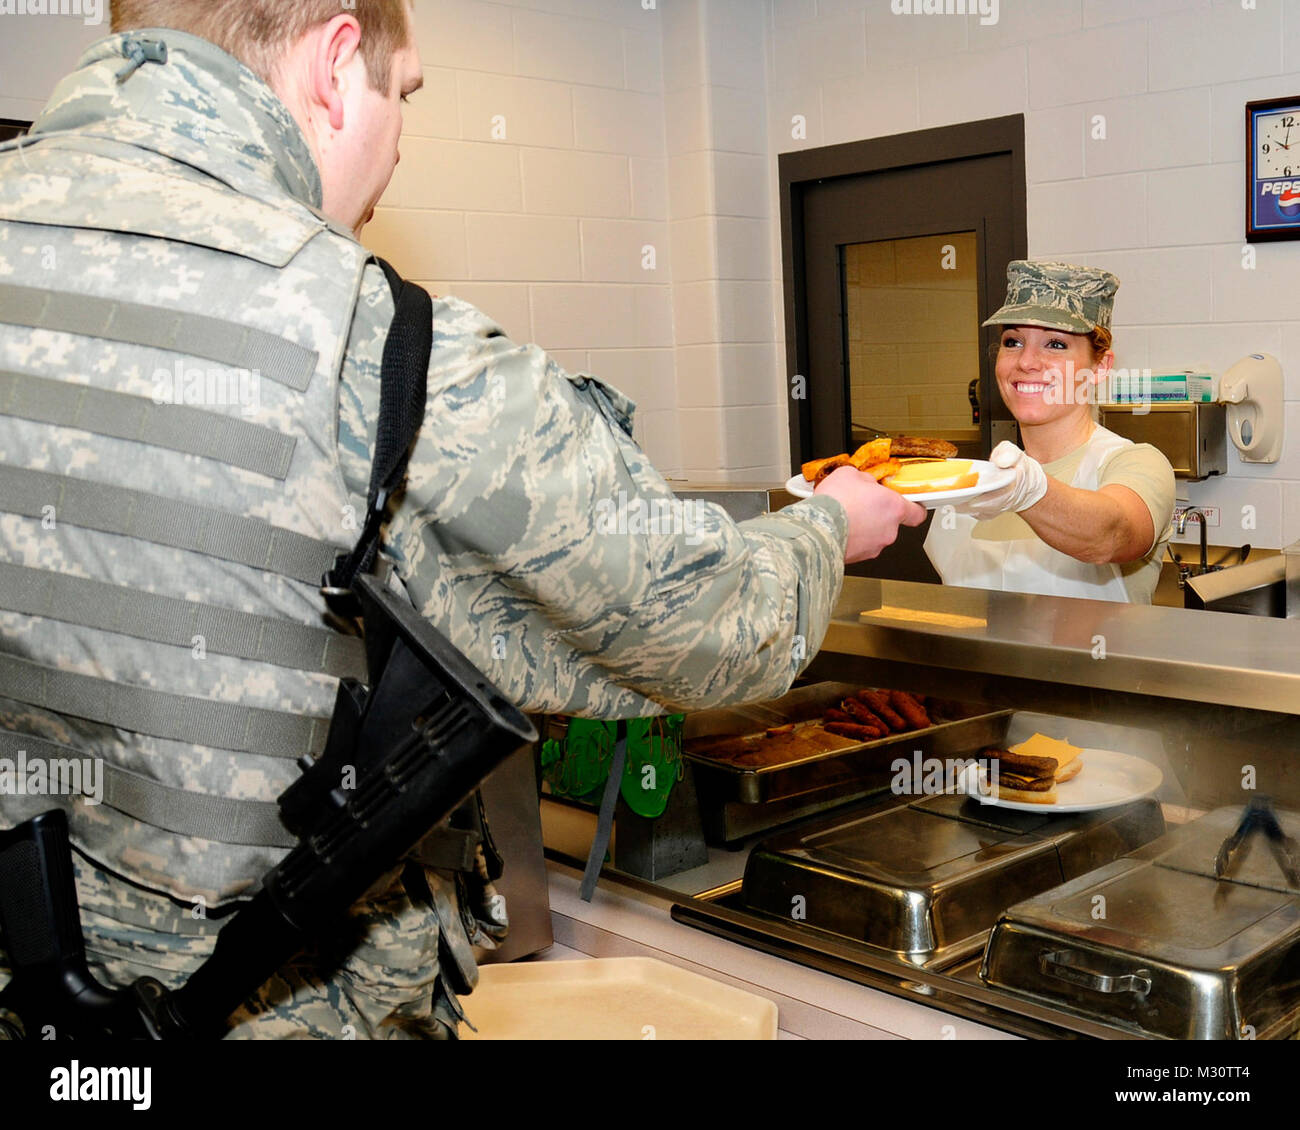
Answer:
[(1273, 169)]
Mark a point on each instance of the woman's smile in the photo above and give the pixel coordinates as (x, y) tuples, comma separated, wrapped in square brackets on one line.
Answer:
[(1029, 387)]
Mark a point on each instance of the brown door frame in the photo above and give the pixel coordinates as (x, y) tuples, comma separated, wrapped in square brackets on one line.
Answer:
[(800, 170)]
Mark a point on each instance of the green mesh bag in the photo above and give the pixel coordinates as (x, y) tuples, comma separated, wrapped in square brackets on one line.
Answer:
[(578, 766)]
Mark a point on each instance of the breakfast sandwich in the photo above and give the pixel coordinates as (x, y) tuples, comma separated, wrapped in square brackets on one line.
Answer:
[(1030, 771)]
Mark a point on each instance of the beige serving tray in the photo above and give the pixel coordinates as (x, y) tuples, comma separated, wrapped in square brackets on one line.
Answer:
[(613, 998)]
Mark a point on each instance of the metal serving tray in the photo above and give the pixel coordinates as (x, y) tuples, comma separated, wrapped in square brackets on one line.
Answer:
[(737, 801), (1157, 945), (925, 880)]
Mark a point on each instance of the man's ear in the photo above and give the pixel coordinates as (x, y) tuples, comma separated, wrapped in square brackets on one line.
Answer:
[(337, 43)]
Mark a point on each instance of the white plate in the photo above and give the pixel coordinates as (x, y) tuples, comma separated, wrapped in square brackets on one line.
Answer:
[(1107, 780), (991, 478)]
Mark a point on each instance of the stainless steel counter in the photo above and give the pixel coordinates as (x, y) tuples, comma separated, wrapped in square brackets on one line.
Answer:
[(1083, 645), (1212, 699), (1219, 694)]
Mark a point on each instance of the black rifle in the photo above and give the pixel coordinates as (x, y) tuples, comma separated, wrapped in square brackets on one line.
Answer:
[(415, 746)]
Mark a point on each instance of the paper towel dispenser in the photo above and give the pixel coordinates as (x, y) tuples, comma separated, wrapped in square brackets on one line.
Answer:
[(1192, 436)]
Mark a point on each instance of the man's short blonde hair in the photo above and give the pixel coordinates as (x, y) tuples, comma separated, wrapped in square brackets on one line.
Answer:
[(257, 32)]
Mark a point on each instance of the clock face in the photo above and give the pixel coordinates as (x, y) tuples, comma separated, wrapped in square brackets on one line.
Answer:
[(1277, 144), (1273, 169)]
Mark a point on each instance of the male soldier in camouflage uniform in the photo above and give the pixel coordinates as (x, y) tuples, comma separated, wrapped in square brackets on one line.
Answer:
[(190, 349)]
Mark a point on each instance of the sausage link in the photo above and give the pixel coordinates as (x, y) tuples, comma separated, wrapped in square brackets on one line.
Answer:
[(879, 702), (911, 710)]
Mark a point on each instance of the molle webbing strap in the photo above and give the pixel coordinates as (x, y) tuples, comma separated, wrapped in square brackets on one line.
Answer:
[(251, 823), (156, 327), (177, 427), (182, 718), (165, 521), (164, 619)]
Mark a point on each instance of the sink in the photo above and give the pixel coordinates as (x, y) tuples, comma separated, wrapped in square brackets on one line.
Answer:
[(1257, 588)]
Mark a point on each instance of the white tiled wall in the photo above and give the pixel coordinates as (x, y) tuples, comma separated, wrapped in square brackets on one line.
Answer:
[(1157, 199), (656, 123), (534, 182), (594, 173), (37, 50), (559, 141), (732, 409)]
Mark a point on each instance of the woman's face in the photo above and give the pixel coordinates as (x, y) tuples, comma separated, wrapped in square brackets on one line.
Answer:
[(1045, 375)]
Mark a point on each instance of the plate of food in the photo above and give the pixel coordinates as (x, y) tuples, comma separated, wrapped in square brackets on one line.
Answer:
[(925, 470), (1044, 773)]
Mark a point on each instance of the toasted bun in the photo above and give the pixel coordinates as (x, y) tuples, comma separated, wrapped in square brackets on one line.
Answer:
[(1070, 771)]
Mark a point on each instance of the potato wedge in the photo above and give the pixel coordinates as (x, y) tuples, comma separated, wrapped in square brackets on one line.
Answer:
[(871, 453), (832, 464), (811, 468), (881, 470)]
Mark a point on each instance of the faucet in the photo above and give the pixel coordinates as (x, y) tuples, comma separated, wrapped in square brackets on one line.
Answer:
[(1180, 524)]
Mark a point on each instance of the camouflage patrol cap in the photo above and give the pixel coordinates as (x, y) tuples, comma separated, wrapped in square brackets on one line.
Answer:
[(1057, 296)]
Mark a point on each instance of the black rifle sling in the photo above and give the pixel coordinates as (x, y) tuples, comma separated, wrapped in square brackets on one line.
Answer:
[(403, 381)]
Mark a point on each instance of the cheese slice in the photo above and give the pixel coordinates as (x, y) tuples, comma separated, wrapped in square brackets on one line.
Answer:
[(1040, 745), (930, 469), (937, 475)]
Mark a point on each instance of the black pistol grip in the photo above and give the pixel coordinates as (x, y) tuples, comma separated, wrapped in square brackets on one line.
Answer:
[(39, 917)]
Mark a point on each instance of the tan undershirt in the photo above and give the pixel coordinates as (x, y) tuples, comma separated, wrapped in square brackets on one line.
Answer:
[(1141, 468)]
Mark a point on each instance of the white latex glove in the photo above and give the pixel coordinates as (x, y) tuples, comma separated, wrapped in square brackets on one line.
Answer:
[(1025, 490)]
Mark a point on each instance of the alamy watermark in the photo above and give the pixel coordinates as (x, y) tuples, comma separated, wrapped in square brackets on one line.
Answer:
[(217, 387), (661, 517), (90, 11), (987, 10), (52, 776), (1071, 385), (934, 776)]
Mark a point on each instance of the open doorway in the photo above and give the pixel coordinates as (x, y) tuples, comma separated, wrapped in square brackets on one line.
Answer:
[(894, 250)]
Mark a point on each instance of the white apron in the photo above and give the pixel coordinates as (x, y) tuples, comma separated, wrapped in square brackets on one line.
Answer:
[(1020, 561)]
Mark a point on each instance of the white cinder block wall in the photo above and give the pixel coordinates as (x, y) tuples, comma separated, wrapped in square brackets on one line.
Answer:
[(629, 127), (1158, 199), (594, 174), (37, 50), (731, 407), (555, 216), (534, 183)]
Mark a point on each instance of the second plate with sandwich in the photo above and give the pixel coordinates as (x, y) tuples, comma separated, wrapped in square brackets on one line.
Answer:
[(990, 478), (1108, 779)]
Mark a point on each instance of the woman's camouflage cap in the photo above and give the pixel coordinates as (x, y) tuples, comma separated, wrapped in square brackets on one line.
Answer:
[(1057, 296)]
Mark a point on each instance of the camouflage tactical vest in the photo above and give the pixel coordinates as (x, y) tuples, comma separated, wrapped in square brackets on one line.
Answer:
[(170, 495)]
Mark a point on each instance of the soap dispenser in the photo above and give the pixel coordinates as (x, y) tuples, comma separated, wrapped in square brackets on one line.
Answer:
[(1252, 390)]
